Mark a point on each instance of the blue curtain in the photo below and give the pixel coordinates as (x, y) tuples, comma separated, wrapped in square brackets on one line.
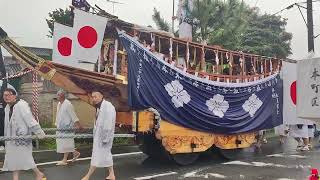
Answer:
[(197, 103)]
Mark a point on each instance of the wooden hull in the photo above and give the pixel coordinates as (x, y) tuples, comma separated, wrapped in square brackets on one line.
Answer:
[(176, 139)]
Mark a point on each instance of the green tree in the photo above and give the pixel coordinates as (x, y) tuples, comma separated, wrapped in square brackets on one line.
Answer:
[(60, 16), (266, 35), (161, 23), (233, 25), (221, 22)]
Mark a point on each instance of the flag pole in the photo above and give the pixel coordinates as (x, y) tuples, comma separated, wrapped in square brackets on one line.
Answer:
[(172, 16), (99, 63), (115, 57)]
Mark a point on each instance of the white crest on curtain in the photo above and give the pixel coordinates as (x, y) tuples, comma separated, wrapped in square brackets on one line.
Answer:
[(178, 94), (218, 105), (252, 105)]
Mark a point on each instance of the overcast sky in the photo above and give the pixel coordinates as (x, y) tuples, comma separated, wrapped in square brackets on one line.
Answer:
[(24, 20)]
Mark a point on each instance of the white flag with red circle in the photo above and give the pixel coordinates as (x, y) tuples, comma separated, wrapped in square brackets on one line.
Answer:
[(289, 75), (62, 45), (88, 36)]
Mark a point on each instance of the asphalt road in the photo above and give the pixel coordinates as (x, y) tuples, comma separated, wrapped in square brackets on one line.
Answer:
[(272, 162)]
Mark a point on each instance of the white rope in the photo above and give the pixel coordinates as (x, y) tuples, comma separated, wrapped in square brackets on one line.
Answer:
[(22, 73), (66, 129)]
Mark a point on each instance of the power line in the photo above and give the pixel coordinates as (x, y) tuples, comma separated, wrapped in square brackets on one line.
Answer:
[(294, 4), (286, 8)]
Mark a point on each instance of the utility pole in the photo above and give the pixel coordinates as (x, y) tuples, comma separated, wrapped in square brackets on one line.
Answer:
[(310, 26), (113, 3)]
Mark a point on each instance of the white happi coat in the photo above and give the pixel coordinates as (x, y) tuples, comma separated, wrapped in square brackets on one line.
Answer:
[(103, 135), (19, 152), (65, 119)]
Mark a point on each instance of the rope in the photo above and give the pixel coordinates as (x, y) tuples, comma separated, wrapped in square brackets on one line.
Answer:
[(19, 74), (65, 129), (35, 96), (64, 136)]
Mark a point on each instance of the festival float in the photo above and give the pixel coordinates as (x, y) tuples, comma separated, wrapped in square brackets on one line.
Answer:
[(180, 98)]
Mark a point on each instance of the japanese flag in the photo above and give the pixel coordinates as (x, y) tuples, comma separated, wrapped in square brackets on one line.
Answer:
[(88, 33), (289, 75), (62, 45)]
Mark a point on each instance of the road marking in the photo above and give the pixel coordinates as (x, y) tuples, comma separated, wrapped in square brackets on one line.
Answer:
[(41, 151), (238, 163), (89, 158), (217, 175), (285, 156), (127, 154), (197, 174), (154, 176), (204, 175), (263, 164), (193, 173)]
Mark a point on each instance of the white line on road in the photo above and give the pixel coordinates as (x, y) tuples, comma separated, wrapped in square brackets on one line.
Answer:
[(157, 175), (197, 174), (88, 158), (42, 151), (285, 156), (263, 164)]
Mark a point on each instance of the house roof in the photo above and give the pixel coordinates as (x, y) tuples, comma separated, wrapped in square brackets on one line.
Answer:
[(12, 69), (39, 51), (12, 65)]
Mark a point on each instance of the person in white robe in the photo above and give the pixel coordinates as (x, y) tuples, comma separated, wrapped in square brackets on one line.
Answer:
[(300, 133), (282, 131), (103, 136), (311, 130), (19, 122), (3, 86), (66, 118)]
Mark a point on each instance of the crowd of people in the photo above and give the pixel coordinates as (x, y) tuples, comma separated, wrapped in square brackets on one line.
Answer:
[(19, 121), (302, 133)]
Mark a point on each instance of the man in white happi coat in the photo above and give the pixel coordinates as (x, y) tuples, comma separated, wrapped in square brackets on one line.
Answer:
[(103, 136), (19, 122), (66, 119)]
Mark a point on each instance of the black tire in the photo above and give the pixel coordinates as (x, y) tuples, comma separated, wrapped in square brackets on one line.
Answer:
[(151, 146), (185, 158), (213, 153), (231, 154)]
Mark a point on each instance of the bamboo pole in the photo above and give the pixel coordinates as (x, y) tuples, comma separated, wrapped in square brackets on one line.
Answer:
[(171, 49), (159, 44), (203, 61), (195, 56), (115, 57), (187, 55)]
